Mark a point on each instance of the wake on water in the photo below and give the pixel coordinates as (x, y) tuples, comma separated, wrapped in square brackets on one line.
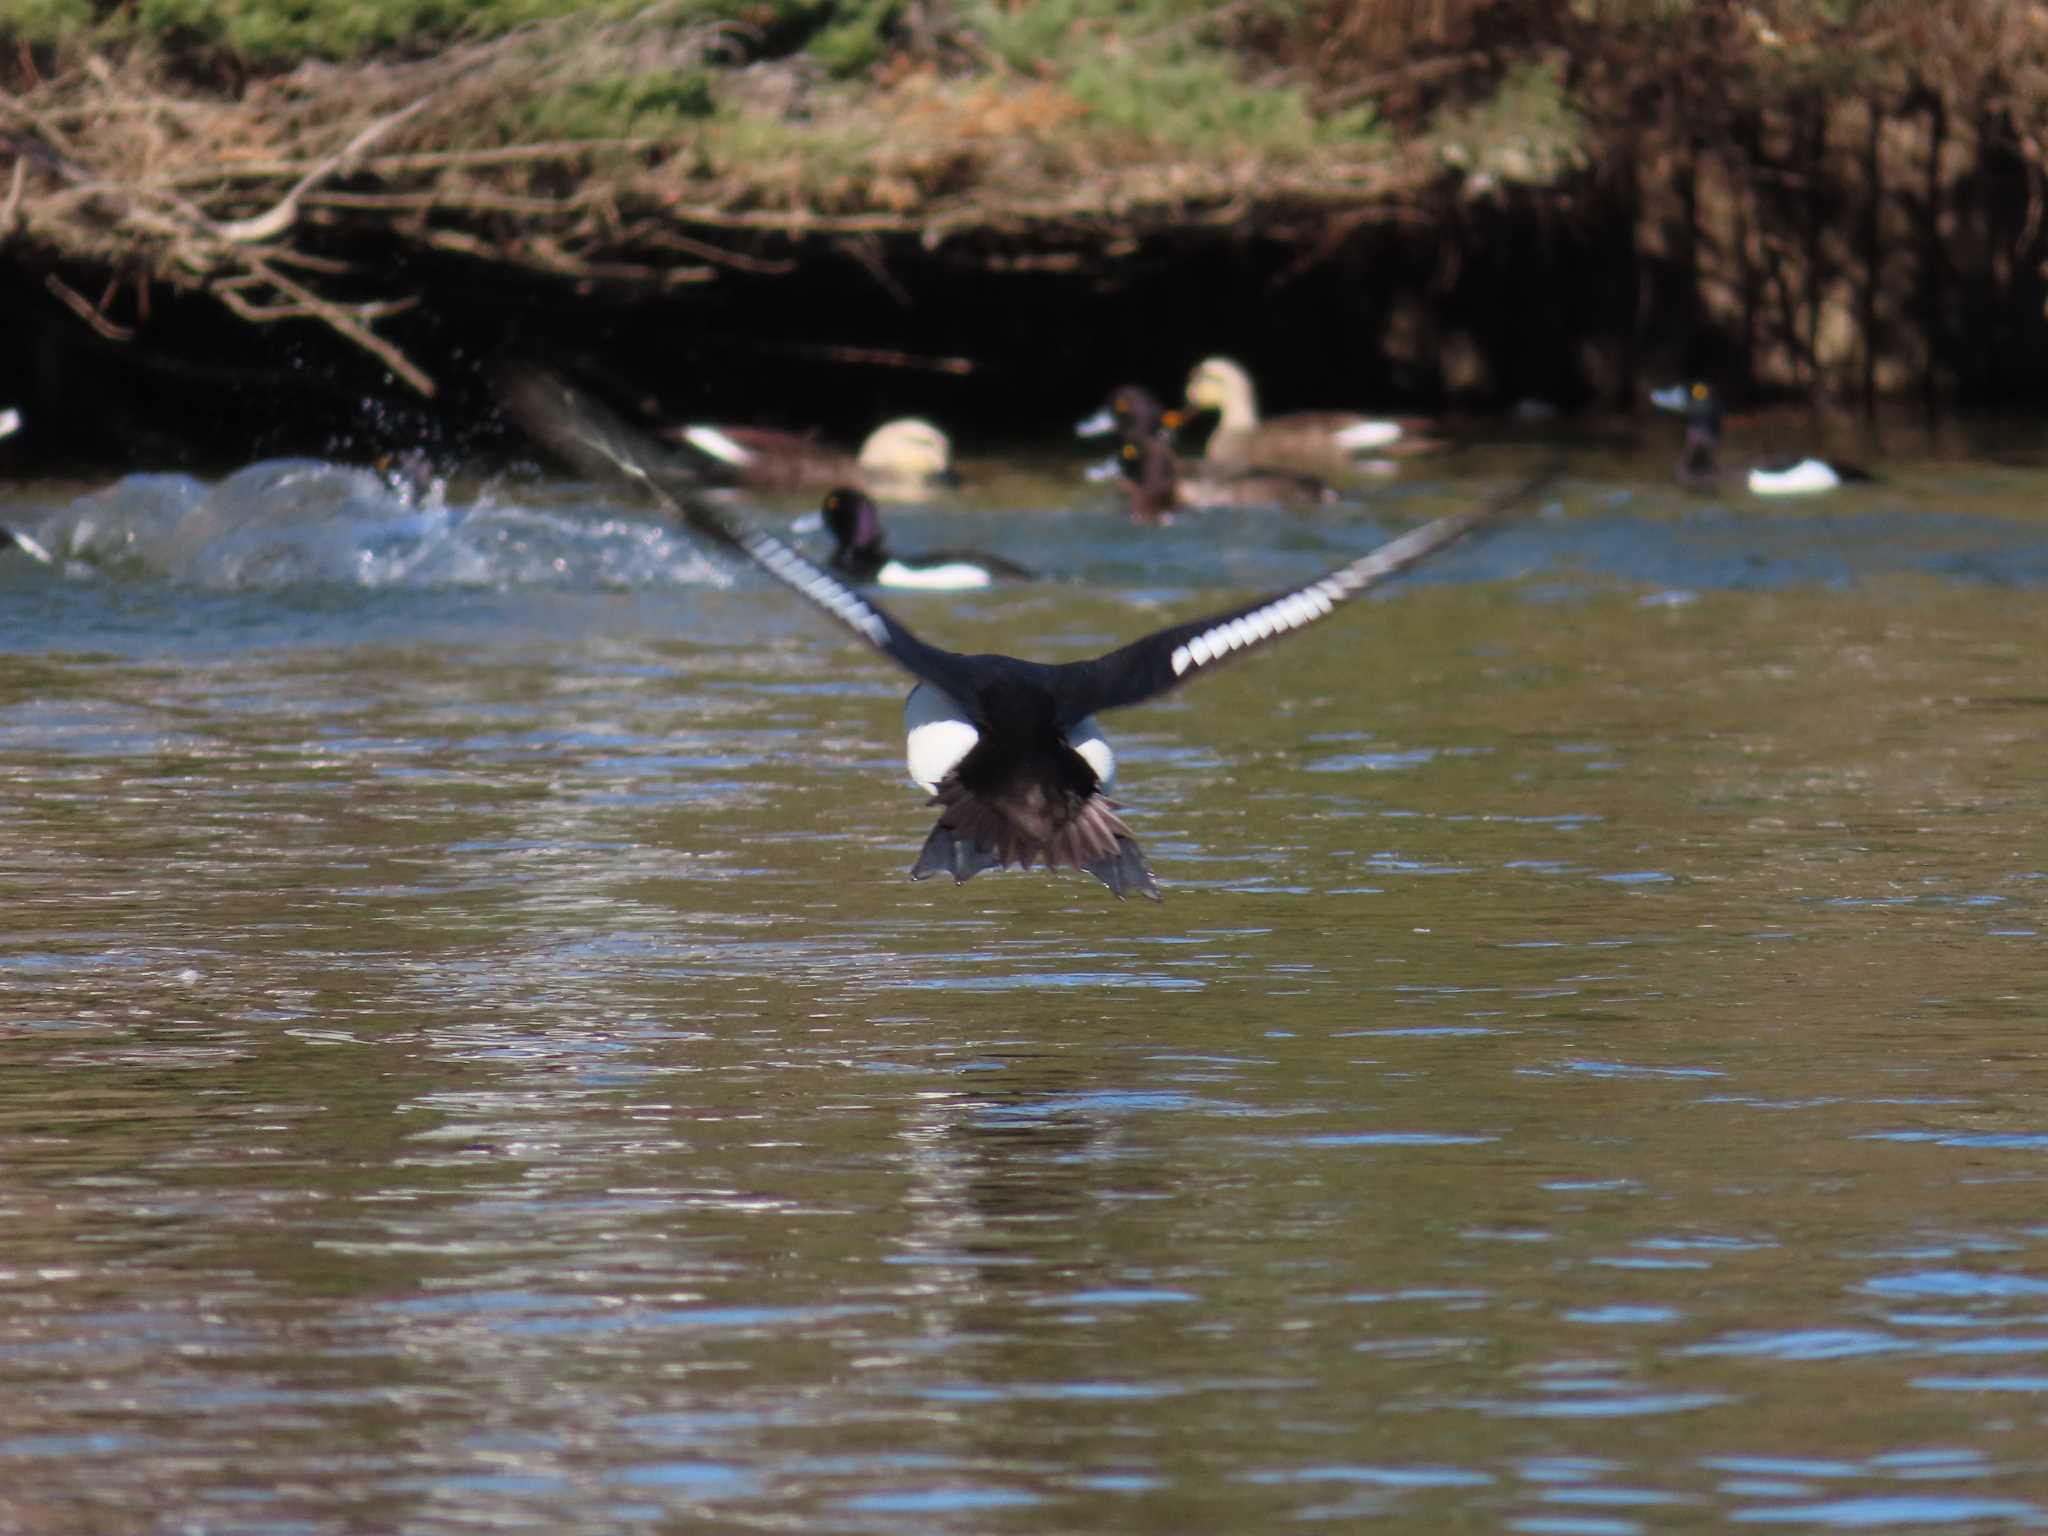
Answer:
[(293, 522)]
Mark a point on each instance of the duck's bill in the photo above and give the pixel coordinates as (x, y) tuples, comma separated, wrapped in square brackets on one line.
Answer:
[(1674, 398), (810, 522), (1108, 469), (1101, 424)]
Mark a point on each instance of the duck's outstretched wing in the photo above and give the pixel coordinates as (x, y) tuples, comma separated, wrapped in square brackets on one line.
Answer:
[(591, 437), (1168, 657)]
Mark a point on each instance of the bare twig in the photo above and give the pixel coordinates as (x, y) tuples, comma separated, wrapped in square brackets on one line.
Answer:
[(269, 225), (10, 211), (350, 321), (85, 309)]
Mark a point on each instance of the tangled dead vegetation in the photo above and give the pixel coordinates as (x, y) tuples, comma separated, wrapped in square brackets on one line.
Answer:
[(494, 152)]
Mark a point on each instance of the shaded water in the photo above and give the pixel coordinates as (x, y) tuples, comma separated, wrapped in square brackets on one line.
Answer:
[(474, 1061)]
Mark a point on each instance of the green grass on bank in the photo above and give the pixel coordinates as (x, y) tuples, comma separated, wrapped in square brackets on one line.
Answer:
[(845, 37), (821, 81)]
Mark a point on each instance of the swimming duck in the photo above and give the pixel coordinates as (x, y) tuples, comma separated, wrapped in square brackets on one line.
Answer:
[(1133, 412), (858, 553), (1159, 486), (1699, 461), (1320, 442), (901, 460), (1008, 749)]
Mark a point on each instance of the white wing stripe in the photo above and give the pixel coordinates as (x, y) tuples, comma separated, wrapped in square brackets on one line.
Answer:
[(836, 598), (1306, 605), (1281, 615)]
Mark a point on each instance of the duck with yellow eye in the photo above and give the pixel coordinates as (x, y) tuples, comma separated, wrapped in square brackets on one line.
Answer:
[(1132, 413), (858, 553), (1158, 486), (1699, 461)]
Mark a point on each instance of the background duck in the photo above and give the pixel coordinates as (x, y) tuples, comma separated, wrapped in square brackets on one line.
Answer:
[(1133, 413), (1699, 461), (858, 552), (902, 460), (1318, 442), (1159, 486)]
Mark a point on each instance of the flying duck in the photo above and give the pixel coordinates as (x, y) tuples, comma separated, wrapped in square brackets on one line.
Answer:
[(902, 460), (1008, 749), (858, 553), (1699, 461), (1158, 485), (1319, 442)]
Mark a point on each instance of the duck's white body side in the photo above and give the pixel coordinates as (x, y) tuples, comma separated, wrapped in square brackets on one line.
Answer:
[(1801, 479), (938, 735), (715, 444), (953, 576)]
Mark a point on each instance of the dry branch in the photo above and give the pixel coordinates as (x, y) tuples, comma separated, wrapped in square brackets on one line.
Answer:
[(114, 169)]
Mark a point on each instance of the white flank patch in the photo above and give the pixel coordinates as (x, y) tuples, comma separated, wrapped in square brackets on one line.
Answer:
[(1365, 436), (1801, 479), (714, 442), (1087, 739), (937, 735), (954, 576)]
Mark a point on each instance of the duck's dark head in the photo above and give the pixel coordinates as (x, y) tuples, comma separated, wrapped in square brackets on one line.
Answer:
[(852, 520), (1132, 412), (1695, 402)]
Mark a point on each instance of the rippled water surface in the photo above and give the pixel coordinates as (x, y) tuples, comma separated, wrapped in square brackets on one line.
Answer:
[(474, 1060)]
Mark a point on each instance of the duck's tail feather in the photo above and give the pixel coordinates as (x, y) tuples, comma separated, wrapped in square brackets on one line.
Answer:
[(974, 834), (946, 852), (1125, 870)]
